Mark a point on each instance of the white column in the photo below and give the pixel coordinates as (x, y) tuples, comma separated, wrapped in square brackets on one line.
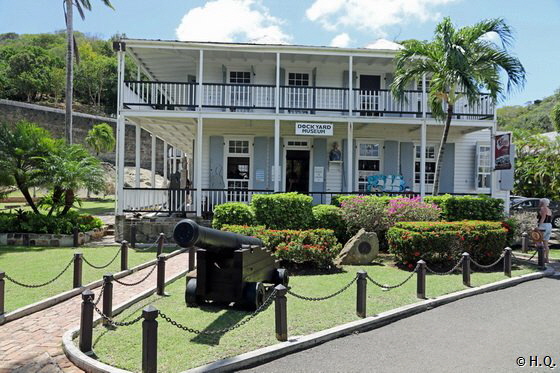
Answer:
[(119, 206), (350, 86), (137, 145), (174, 159), (165, 151), (200, 74), (277, 155), (198, 167), (492, 160), (349, 158), (277, 89), (423, 141), (153, 153)]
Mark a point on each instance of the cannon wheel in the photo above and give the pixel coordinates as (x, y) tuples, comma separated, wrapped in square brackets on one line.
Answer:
[(190, 293), (253, 295), (281, 277)]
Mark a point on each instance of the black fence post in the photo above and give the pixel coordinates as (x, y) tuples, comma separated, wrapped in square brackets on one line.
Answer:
[(2, 290), (466, 269), (107, 296), (133, 229), (161, 240), (524, 242), (281, 313), (161, 275), (540, 263), (76, 236), (124, 255), (86, 321), (78, 270), (361, 295), (421, 280), (507, 261), (149, 339)]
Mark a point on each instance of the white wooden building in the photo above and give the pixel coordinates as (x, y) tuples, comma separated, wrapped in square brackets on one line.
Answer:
[(254, 118)]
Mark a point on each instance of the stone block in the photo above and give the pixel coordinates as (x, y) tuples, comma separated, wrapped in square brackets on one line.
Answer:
[(360, 249)]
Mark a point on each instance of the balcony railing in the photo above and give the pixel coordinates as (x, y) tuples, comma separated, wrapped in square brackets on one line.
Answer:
[(145, 95)]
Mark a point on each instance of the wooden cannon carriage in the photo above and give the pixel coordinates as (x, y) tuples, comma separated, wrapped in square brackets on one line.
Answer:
[(230, 267)]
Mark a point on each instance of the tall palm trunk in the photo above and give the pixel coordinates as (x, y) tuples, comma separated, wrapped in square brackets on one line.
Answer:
[(69, 69), (25, 191), (435, 191), (68, 201)]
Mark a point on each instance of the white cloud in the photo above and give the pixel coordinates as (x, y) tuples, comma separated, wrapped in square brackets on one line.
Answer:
[(341, 40), (492, 36), (372, 15), (232, 21)]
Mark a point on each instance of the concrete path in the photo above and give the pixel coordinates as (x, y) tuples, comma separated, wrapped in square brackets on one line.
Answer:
[(32, 344), (492, 332)]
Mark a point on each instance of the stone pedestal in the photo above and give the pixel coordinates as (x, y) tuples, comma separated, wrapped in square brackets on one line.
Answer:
[(360, 249)]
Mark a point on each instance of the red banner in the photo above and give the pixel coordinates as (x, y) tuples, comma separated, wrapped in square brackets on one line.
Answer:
[(502, 154)]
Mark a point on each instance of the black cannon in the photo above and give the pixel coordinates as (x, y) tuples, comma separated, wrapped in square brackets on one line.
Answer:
[(230, 267)]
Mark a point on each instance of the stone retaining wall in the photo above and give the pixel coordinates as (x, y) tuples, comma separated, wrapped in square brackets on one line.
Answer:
[(50, 240), (148, 229)]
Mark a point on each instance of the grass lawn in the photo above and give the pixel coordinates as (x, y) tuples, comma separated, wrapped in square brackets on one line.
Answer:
[(179, 350), (552, 253), (36, 265)]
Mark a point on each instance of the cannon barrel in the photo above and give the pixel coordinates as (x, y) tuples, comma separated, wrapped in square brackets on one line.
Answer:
[(187, 233)]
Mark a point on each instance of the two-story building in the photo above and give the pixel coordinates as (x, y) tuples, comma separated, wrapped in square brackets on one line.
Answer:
[(251, 118)]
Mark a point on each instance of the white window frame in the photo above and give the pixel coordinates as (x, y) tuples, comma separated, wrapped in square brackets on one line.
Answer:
[(358, 157), (477, 166), (292, 98), (287, 147), (429, 186), (237, 155), (239, 95)]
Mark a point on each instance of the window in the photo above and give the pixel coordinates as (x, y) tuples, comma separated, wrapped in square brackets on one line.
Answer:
[(369, 162), (298, 79), (240, 91), (483, 166), (430, 164), (240, 77), (238, 169), (298, 91)]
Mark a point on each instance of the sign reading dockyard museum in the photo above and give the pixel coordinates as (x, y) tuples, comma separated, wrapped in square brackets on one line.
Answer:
[(318, 129)]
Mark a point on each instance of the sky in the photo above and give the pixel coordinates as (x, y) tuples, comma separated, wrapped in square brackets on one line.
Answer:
[(343, 23)]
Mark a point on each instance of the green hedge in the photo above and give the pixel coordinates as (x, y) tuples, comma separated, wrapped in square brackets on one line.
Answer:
[(317, 247), (283, 211), (337, 200), (28, 222), (455, 208), (330, 217), (444, 242), (233, 213)]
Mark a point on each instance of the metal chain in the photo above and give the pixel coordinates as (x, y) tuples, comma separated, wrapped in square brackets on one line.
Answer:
[(149, 247), (39, 285), (137, 282), (262, 308), (488, 265), (323, 298), (525, 260), (106, 265), (113, 322), (100, 294), (445, 273), (389, 287)]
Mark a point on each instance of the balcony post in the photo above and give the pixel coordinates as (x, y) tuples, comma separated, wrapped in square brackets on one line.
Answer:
[(137, 144), (153, 163), (198, 166), (120, 150), (349, 151), (277, 89), (200, 74), (277, 155), (165, 151), (423, 141), (350, 88)]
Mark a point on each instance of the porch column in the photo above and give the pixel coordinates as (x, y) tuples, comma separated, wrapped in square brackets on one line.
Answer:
[(277, 89), (423, 141), (200, 74), (173, 159), (198, 167), (120, 151), (492, 161), (349, 156), (165, 151), (350, 86), (153, 153), (137, 144), (277, 155)]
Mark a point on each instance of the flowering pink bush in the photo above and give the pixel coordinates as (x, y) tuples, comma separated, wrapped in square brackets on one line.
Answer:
[(412, 209), (364, 212)]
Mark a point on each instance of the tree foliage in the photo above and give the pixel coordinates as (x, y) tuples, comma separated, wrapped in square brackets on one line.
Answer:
[(101, 138), (555, 116), (535, 116)]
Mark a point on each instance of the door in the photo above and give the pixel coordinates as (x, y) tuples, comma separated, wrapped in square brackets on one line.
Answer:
[(369, 94), (297, 171)]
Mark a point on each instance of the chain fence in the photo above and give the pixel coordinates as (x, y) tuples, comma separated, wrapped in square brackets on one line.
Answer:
[(523, 259), (260, 309), (390, 287), (152, 245), (487, 266), (103, 266), (317, 299), (100, 294), (139, 281), (448, 272), (112, 322), (44, 283)]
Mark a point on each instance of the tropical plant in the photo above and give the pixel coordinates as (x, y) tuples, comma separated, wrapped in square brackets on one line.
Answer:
[(101, 138), (458, 62), (71, 48)]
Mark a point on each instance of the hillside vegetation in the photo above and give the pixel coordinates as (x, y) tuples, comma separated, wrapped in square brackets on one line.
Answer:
[(534, 117)]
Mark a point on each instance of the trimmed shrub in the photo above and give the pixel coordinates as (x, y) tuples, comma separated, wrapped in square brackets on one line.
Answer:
[(330, 217), (455, 208), (523, 221), (339, 199), (233, 213), (412, 209), (444, 242), (364, 212), (316, 247), (283, 211), (27, 222)]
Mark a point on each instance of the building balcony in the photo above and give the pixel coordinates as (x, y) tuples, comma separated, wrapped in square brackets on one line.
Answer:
[(313, 101)]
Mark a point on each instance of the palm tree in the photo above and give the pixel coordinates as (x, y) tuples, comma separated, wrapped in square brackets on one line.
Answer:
[(71, 48), (461, 60), (101, 138)]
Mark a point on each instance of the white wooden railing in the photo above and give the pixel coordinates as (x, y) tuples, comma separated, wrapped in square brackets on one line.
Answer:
[(242, 96)]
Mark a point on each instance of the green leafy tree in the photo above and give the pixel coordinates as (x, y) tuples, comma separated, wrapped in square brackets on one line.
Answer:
[(22, 148), (458, 60), (101, 138), (29, 71), (555, 117)]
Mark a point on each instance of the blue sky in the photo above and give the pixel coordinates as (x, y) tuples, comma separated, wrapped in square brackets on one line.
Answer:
[(353, 23)]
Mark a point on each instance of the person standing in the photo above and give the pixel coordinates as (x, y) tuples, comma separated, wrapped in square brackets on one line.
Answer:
[(544, 218)]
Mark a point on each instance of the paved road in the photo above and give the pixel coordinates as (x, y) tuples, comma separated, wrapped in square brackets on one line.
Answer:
[(32, 344), (484, 333)]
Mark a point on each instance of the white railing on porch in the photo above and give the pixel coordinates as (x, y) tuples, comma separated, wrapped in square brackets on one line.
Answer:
[(242, 96), (160, 95)]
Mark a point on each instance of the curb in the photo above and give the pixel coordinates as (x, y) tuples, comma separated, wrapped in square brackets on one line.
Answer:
[(298, 343), (61, 297)]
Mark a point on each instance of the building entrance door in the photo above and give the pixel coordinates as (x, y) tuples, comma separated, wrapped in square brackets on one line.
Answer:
[(369, 95), (297, 171)]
